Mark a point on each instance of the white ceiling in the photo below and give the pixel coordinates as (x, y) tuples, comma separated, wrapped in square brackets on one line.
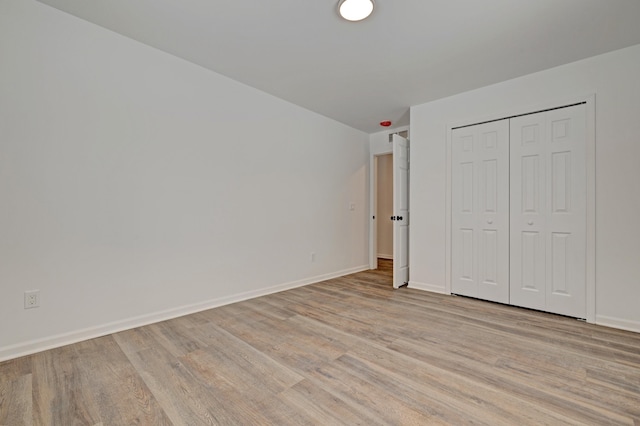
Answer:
[(407, 53)]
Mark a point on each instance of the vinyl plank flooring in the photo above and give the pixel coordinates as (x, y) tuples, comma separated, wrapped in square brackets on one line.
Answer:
[(241, 365), (59, 397), (365, 396), (89, 383), (457, 399), (15, 368), (183, 397), (15, 401), (176, 337), (119, 393), (347, 351), (324, 408), (526, 388)]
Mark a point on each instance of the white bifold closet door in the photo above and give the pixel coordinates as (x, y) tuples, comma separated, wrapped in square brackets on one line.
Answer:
[(480, 211), (518, 211), (548, 211)]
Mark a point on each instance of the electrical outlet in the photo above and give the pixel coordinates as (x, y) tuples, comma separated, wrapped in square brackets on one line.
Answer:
[(31, 299)]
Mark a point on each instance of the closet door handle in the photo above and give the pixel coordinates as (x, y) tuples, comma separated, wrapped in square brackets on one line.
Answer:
[(530, 222), (490, 221)]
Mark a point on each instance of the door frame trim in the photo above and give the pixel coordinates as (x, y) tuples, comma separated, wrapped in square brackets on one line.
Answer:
[(590, 103)]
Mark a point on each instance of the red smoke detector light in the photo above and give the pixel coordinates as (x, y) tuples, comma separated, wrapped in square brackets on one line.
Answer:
[(385, 123)]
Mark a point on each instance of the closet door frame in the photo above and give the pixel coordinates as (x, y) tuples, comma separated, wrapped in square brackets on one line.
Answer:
[(589, 101)]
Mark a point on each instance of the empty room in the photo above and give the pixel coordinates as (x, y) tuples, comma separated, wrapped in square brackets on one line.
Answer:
[(319, 212)]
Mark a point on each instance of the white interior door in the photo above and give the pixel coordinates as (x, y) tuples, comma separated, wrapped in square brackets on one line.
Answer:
[(548, 211), (400, 211), (480, 211)]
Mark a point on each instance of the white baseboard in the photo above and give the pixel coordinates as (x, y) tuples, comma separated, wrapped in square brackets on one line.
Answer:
[(427, 287), (63, 339), (620, 323), (385, 256)]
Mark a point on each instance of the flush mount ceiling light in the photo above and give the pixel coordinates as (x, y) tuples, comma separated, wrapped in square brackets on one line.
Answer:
[(355, 10)]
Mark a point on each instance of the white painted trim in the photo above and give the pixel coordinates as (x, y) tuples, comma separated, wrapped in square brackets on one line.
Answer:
[(447, 220), (619, 323), (385, 256), (590, 100), (591, 208), (428, 287), (39, 345)]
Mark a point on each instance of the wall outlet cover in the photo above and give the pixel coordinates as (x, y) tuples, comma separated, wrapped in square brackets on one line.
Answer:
[(31, 299)]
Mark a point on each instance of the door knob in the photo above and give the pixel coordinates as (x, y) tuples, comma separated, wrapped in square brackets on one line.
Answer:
[(530, 222), (490, 221)]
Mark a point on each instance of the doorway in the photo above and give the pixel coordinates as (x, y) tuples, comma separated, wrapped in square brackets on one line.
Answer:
[(384, 206), (389, 225)]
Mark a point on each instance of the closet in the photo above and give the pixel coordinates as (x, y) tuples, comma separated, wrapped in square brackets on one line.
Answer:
[(518, 211)]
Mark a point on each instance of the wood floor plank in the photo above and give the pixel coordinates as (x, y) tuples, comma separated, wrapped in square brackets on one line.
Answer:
[(59, 396), (16, 401), (16, 392), (265, 307), (350, 350), (364, 396), (176, 336), (325, 408), (619, 378), (15, 368), (242, 366), (184, 399), (120, 394), (297, 342)]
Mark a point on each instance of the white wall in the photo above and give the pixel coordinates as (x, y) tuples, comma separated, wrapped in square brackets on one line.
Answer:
[(136, 186), (384, 209), (614, 79)]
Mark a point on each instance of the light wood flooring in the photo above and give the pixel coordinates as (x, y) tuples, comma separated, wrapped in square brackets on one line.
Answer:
[(345, 351)]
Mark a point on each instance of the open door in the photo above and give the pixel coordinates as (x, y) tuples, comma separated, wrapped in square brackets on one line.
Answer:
[(400, 211)]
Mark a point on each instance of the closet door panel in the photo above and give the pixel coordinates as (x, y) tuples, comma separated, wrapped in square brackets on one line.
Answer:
[(548, 211), (527, 217), (566, 197), (480, 218), (464, 209)]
